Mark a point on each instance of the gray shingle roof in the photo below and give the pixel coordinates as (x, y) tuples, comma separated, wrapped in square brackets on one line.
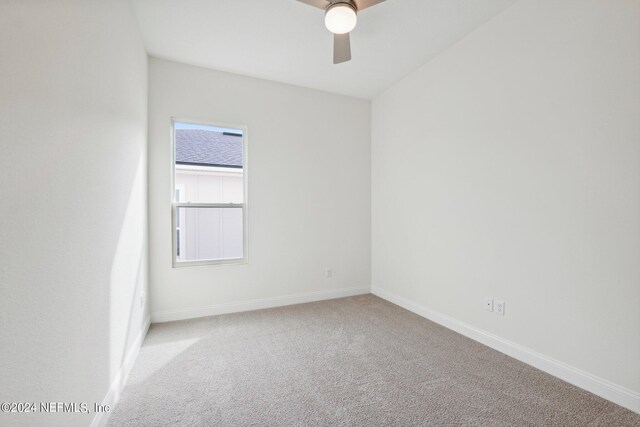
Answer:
[(208, 148)]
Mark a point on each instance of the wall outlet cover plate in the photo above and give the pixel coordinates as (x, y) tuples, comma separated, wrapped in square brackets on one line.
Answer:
[(500, 307)]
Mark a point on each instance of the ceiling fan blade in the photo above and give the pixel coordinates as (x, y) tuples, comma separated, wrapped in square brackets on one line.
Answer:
[(341, 48), (320, 4), (363, 4)]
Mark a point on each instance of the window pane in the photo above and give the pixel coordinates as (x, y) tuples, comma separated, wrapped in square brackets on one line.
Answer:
[(209, 164), (209, 233)]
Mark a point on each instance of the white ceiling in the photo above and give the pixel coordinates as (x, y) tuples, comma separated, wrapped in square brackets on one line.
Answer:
[(286, 41)]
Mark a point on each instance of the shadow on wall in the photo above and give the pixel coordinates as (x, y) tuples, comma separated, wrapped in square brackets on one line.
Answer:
[(129, 312)]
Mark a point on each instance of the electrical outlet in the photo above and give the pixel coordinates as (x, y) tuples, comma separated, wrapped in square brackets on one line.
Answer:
[(329, 273), (500, 307), (488, 304)]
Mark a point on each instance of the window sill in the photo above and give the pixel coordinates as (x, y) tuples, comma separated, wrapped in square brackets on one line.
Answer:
[(204, 262)]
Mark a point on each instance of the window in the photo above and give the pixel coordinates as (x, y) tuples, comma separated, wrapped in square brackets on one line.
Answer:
[(209, 191)]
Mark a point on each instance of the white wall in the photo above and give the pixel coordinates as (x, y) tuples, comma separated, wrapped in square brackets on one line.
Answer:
[(509, 167), (308, 196), (73, 252)]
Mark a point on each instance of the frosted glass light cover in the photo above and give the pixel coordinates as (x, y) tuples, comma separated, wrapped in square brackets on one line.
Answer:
[(340, 19)]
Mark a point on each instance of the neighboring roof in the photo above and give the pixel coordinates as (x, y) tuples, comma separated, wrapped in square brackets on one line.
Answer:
[(208, 148)]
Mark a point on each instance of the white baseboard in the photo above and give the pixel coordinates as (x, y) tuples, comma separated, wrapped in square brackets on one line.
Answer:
[(592, 383), (118, 383), (256, 304)]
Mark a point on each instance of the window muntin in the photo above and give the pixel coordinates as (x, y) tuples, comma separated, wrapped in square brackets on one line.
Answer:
[(209, 188)]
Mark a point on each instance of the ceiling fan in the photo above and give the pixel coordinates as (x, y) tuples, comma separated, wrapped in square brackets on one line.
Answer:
[(340, 17)]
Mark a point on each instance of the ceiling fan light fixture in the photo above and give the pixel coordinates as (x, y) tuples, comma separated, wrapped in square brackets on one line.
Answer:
[(340, 18)]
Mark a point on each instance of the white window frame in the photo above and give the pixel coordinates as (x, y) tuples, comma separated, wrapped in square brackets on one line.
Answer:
[(244, 205), (179, 241)]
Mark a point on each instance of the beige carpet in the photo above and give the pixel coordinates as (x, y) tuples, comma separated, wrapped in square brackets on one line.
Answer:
[(357, 361)]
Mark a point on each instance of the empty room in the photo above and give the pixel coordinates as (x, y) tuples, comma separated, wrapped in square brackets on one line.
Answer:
[(319, 213)]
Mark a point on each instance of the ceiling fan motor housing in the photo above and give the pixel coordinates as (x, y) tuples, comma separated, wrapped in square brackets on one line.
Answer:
[(347, 2)]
